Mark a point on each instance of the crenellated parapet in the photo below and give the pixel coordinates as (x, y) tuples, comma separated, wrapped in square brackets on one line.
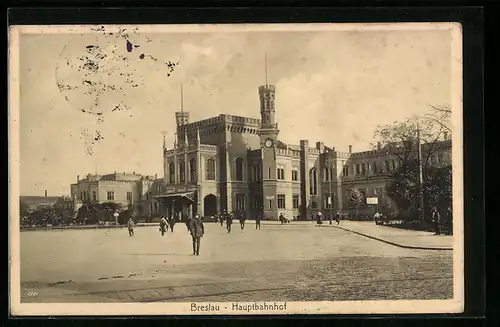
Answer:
[(203, 148)]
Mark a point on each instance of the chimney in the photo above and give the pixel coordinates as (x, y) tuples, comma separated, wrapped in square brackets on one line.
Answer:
[(445, 135), (45, 193), (350, 148), (77, 178), (320, 146), (379, 145)]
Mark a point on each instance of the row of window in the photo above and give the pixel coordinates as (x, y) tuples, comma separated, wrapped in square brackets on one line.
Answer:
[(110, 196), (209, 171)]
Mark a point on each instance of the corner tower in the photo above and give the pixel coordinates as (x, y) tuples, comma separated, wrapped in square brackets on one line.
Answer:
[(268, 133), (181, 119)]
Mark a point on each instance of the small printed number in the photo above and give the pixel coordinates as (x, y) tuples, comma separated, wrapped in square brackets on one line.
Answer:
[(33, 293)]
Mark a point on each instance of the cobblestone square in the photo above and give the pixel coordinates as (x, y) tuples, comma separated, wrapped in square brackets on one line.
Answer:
[(295, 262)]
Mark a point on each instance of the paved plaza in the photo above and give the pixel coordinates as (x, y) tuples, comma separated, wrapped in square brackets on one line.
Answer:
[(293, 262)]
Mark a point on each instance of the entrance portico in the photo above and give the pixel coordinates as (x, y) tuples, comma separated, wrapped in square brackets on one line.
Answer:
[(182, 203)]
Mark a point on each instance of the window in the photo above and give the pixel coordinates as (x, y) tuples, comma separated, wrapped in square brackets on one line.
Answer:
[(239, 202), (313, 178), (111, 195), (357, 169), (281, 201), (239, 169), (269, 173), (295, 201), (211, 169), (328, 201), (394, 165), (363, 169), (295, 174), (374, 168), (314, 205), (327, 174), (192, 170), (94, 196), (255, 173), (129, 196), (387, 167), (171, 173), (345, 171), (281, 173), (156, 207), (182, 171)]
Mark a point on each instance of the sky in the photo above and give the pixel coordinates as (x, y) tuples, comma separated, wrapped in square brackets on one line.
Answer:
[(100, 101)]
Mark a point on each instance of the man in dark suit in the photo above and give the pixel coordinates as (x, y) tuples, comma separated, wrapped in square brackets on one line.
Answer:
[(197, 230), (436, 219)]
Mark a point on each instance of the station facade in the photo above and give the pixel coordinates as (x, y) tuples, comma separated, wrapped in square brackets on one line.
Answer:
[(239, 164)]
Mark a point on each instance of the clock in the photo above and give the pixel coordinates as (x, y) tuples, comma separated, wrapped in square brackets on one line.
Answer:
[(268, 143)]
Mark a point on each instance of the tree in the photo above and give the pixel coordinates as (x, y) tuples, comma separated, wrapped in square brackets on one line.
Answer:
[(401, 140), (440, 115)]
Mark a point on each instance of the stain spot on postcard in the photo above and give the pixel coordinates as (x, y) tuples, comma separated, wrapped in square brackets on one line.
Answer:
[(102, 76)]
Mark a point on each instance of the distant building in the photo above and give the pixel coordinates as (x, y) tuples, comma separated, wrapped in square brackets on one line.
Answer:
[(34, 202), (127, 189), (239, 164)]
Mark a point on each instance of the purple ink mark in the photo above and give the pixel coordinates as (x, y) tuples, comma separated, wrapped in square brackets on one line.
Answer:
[(129, 46)]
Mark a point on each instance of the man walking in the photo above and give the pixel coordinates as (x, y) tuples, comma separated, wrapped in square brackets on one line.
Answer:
[(197, 230), (337, 218), (436, 219), (257, 221), (163, 225), (242, 220), (130, 227), (330, 217), (229, 221), (171, 222), (221, 219)]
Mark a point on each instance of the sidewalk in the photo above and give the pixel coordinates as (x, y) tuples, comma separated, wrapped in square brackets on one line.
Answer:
[(398, 237)]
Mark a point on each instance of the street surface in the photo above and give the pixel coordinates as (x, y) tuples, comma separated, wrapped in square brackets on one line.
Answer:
[(294, 262)]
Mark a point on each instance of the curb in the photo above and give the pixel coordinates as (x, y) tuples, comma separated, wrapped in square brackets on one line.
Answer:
[(395, 244)]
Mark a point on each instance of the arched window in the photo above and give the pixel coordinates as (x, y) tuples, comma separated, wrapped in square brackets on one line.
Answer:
[(313, 179), (239, 169), (94, 196), (192, 170), (182, 171), (210, 169), (171, 173)]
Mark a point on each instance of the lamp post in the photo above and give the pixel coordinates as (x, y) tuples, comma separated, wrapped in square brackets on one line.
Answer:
[(420, 177), (330, 175)]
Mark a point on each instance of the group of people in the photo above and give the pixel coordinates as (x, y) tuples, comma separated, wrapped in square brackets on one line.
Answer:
[(227, 217), (167, 223), (329, 217)]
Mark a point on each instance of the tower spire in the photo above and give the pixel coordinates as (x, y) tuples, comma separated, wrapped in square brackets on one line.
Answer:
[(182, 100), (266, 68)]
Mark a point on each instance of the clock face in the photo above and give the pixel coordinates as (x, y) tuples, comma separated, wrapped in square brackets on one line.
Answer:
[(268, 143)]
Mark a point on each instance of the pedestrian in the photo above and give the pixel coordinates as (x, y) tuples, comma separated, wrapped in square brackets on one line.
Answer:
[(330, 217), (436, 219), (221, 220), (318, 218), (116, 215), (242, 220), (229, 221), (257, 221), (337, 218), (281, 218), (163, 225), (197, 230), (130, 227), (171, 223)]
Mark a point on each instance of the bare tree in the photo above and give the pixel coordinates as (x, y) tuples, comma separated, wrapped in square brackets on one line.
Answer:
[(440, 115)]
